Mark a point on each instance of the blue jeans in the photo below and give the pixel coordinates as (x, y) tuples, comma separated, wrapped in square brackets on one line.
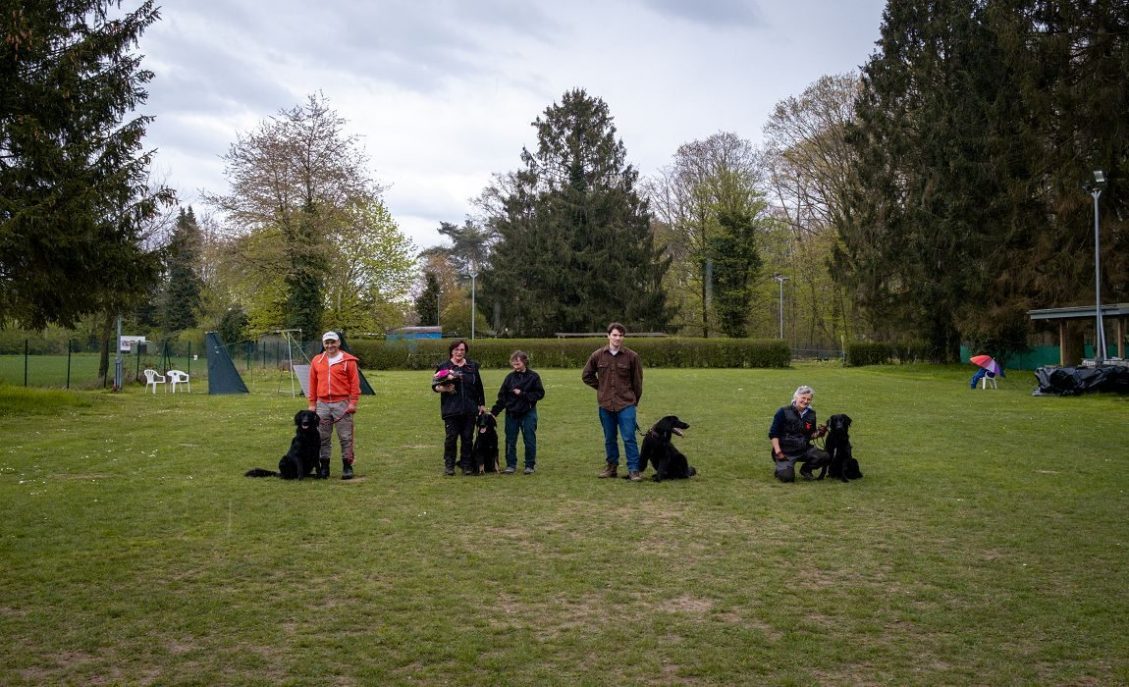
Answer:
[(527, 424), (622, 421)]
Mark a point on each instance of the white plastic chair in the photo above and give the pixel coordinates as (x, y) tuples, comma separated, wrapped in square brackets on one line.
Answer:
[(986, 380), (152, 378), (178, 377)]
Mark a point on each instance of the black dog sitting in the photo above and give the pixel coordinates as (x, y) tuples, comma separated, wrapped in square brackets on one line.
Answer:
[(668, 461), (302, 458), (843, 465), (485, 450)]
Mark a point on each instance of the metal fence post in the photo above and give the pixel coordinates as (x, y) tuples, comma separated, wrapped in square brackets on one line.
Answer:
[(25, 362), (68, 363)]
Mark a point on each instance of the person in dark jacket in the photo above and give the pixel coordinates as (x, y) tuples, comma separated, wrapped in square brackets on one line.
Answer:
[(461, 400), (518, 395), (616, 373), (793, 428)]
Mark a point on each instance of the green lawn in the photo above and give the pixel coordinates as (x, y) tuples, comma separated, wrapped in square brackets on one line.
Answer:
[(986, 544)]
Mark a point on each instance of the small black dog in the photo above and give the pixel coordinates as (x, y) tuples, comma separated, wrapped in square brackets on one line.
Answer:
[(668, 461), (843, 465), (485, 450), (302, 458)]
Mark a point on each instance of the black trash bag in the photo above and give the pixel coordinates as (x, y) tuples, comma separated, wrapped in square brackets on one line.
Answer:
[(1071, 381)]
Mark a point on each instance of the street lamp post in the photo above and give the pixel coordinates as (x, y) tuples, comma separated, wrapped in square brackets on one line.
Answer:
[(780, 279), (1099, 334), (473, 276)]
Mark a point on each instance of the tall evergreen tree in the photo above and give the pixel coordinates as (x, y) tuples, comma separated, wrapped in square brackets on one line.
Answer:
[(181, 298), (935, 135), (427, 303), (74, 199), (977, 122), (575, 248), (736, 264)]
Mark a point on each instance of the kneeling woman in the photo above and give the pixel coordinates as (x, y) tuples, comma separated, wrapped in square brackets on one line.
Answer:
[(793, 428)]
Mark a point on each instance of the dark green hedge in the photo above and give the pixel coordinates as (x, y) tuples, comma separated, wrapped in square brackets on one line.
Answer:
[(572, 353)]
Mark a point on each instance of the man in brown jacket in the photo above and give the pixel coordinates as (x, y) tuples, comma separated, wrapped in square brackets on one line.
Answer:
[(616, 373)]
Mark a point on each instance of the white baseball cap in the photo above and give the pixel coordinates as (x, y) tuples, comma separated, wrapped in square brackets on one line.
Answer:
[(330, 336)]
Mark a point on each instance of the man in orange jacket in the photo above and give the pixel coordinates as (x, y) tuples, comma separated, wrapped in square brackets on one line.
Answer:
[(335, 386)]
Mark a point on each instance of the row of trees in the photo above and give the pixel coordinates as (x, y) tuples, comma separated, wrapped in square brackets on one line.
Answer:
[(976, 123), (935, 196)]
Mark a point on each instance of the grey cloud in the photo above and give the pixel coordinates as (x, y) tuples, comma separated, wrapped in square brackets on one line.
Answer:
[(712, 13)]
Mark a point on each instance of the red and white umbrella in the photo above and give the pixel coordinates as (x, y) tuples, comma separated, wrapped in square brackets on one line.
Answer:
[(986, 362)]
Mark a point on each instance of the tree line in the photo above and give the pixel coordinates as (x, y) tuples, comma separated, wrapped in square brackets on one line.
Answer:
[(933, 196)]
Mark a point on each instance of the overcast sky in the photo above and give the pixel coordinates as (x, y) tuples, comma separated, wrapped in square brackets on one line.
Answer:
[(442, 92)]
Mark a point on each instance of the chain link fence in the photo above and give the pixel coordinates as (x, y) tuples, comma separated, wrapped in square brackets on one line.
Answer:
[(73, 364)]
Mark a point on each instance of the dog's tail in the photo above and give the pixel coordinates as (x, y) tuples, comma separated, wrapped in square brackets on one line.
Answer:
[(260, 472)]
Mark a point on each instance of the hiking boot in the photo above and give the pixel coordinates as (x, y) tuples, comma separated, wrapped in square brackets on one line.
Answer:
[(529, 470), (509, 470), (805, 472), (323, 469), (449, 472), (635, 476), (346, 470), (609, 471)]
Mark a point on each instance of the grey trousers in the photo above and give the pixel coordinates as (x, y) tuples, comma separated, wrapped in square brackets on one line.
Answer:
[(811, 457), (332, 415)]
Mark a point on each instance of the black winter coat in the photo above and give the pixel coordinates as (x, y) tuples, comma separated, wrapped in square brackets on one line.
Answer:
[(517, 405), (468, 395)]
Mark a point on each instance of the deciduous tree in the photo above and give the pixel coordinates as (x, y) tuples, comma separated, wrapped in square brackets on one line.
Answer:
[(298, 173), (810, 166), (371, 270), (708, 180)]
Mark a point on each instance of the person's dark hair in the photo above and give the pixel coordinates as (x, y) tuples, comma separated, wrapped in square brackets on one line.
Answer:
[(616, 325), (455, 344)]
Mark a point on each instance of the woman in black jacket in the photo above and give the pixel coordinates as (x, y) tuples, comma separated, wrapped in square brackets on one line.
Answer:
[(461, 400), (519, 394)]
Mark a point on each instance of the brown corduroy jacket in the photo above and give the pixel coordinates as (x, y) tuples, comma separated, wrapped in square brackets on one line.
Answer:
[(617, 379)]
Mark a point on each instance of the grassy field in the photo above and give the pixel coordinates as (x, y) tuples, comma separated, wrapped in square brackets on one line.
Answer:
[(986, 545)]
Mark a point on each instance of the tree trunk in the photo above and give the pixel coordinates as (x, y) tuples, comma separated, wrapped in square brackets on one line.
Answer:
[(104, 350)]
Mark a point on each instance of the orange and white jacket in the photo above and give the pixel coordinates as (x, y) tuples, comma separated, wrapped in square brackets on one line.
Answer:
[(332, 383)]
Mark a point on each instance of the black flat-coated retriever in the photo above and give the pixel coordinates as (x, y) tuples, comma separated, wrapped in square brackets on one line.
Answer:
[(664, 457), (302, 458), (843, 465), (484, 453)]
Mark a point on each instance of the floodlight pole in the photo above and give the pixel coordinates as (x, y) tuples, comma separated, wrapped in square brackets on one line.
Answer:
[(1099, 334), (780, 279), (473, 276)]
